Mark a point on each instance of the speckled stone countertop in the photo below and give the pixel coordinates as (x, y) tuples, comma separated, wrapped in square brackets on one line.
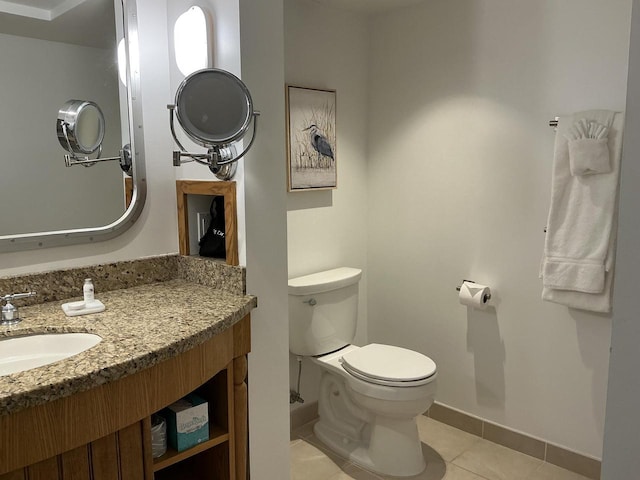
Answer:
[(141, 326)]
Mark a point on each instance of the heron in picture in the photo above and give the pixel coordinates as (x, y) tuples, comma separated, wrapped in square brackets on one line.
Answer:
[(320, 143)]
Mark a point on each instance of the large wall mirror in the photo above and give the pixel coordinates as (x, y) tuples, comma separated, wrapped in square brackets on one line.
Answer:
[(55, 51)]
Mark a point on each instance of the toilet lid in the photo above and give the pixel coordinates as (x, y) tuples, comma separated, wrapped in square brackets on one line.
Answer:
[(389, 365)]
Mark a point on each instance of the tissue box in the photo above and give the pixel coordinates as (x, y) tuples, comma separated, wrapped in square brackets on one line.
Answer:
[(187, 422)]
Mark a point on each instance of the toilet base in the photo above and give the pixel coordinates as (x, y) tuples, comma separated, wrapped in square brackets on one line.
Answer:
[(386, 446)]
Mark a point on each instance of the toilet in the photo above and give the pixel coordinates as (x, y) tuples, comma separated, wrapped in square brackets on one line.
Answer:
[(370, 396)]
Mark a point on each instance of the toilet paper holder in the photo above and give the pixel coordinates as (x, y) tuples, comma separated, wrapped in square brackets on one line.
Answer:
[(485, 298)]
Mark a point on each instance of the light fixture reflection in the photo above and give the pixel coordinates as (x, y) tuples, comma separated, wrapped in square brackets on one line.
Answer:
[(190, 41), (122, 62)]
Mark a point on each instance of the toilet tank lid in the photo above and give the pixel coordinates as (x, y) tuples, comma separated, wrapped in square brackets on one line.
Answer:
[(324, 281)]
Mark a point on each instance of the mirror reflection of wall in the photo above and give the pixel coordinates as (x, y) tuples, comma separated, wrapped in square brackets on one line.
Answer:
[(44, 64)]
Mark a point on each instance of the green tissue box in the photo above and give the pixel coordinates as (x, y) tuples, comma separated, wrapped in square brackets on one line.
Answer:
[(187, 422)]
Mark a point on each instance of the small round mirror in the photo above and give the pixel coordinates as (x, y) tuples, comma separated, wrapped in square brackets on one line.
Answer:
[(213, 107), (80, 127)]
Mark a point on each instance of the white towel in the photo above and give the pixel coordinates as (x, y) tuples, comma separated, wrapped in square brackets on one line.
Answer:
[(577, 266), (589, 147)]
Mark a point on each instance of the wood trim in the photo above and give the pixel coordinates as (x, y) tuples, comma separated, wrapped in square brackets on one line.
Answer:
[(242, 337), (204, 187), (104, 456), (240, 416), (47, 430), (44, 470), (218, 437), (231, 420), (128, 191), (15, 475), (147, 448), (131, 452), (74, 464)]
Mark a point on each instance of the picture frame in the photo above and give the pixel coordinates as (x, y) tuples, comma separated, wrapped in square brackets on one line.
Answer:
[(311, 139)]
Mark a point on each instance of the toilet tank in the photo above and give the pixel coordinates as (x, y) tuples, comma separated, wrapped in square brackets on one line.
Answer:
[(323, 311)]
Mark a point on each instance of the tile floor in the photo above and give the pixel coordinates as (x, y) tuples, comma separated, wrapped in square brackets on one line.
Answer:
[(451, 455)]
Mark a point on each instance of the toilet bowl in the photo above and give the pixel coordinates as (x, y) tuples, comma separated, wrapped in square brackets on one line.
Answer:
[(367, 417), (369, 396)]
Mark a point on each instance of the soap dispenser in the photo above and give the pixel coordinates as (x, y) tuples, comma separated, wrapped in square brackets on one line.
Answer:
[(88, 291), (87, 305)]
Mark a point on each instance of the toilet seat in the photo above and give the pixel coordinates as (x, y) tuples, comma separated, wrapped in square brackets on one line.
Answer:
[(389, 365)]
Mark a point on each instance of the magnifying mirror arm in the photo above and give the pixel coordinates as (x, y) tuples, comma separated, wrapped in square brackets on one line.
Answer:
[(72, 158), (124, 158), (212, 157), (202, 158)]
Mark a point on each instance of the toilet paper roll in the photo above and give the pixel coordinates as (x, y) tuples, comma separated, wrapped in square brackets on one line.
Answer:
[(474, 295)]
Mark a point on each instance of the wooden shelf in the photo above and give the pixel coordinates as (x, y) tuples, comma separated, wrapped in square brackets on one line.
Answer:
[(216, 436), (227, 190)]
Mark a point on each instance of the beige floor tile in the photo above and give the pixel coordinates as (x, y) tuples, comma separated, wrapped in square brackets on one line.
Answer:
[(353, 472), (496, 462), (547, 471), (438, 471), (436, 467), (457, 473), (448, 441), (311, 463), (304, 431), (345, 476), (315, 441)]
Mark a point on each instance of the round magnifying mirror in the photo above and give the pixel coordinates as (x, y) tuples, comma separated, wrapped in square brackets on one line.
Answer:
[(213, 107), (80, 126)]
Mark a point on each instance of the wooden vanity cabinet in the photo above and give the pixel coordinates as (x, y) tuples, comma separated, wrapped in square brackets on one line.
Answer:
[(105, 433)]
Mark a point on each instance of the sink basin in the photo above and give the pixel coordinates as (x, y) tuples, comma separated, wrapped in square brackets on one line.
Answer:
[(30, 351)]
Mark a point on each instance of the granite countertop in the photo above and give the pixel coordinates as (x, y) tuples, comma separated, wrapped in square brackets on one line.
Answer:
[(140, 327)]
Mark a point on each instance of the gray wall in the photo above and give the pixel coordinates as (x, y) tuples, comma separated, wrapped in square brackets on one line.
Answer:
[(621, 441), (37, 78)]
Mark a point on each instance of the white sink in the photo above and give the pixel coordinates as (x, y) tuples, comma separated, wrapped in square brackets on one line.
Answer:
[(30, 351)]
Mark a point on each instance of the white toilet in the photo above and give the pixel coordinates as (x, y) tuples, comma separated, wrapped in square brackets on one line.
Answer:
[(369, 396)]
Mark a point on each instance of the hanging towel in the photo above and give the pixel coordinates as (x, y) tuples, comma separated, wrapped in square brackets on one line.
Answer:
[(577, 266), (588, 147)]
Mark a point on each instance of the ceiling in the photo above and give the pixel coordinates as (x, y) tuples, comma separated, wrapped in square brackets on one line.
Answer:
[(89, 23)]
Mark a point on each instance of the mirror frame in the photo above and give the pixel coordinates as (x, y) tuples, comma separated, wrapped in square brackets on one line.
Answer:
[(56, 238)]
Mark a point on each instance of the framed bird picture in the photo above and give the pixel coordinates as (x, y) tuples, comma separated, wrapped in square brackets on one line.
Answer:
[(311, 139)]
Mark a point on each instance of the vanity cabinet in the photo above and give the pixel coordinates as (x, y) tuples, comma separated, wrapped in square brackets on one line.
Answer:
[(104, 433)]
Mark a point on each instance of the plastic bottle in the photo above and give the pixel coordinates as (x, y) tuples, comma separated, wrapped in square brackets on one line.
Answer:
[(87, 290)]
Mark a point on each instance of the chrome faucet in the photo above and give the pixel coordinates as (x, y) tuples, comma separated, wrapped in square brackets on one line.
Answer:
[(10, 314)]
